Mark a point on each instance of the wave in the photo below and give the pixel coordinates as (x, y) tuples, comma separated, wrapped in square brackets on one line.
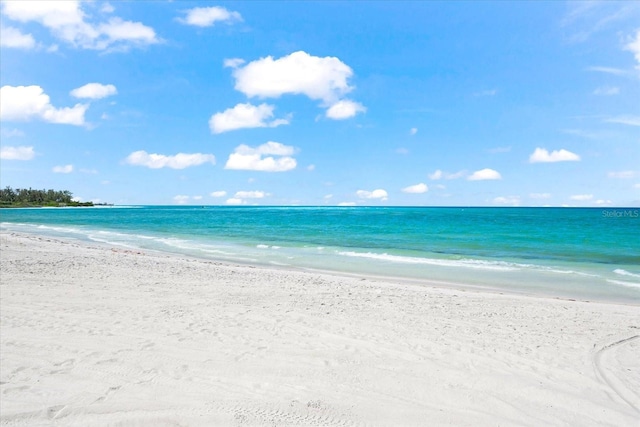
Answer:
[(624, 283), (622, 272), (470, 263)]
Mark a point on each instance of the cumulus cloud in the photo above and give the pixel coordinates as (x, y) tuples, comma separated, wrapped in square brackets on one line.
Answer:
[(541, 155), (625, 120), (375, 194), (484, 174), (178, 161), (318, 78), (63, 169), (94, 91), (13, 37), (249, 158), (416, 189), (581, 197), (346, 204), (235, 201), (221, 193), (67, 21), (208, 16), (233, 62), (244, 116), (17, 153), (23, 103), (345, 109)]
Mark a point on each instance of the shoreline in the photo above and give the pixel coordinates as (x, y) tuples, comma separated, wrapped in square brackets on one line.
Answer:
[(93, 334)]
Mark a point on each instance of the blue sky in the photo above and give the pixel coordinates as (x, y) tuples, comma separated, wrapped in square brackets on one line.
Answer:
[(323, 103)]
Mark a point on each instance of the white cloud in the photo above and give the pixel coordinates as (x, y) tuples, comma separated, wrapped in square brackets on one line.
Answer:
[(179, 161), (416, 189), (68, 22), (634, 47), (413, 131), (436, 175), (625, 120), (23, 103), (603, 202), (623, 174), (234, 201), (244, 116), (250, 195), (375, 194), (94, 91), (637, 185), (581, 197), (197, 197), (346, 204), (606, 90), (484, 174), (541, 155), (344, 109), (608, 70), (181, 199), (311, 168), (248, 158), (208, 16), (63, 169), (17, 153), (218, 193), (539, 196), (12, 37), (508, 200), (324, 79), (233, 62)]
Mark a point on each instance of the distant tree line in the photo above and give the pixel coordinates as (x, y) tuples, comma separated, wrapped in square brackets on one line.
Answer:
[(24, 197)]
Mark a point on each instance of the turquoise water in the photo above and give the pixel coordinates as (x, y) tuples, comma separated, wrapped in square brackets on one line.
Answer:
[(580, 253)]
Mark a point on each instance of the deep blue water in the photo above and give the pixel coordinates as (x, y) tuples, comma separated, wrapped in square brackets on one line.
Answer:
[(581, 253)]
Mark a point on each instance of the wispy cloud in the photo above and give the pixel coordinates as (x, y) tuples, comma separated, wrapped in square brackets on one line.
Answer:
[(178, 161), (625, 120)]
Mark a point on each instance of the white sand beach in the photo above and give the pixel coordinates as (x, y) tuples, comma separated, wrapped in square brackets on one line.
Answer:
[(99, 336)]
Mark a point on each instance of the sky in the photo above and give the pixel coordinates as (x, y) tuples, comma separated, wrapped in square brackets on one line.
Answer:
[(323, 103)]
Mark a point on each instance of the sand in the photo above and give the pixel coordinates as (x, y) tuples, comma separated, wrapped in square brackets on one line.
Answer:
[(97, 336)]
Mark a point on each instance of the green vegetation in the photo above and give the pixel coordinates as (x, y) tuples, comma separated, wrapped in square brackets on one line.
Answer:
[(22, 198)]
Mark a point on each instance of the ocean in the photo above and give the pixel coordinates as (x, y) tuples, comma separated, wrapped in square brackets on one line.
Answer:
[(581, 253)]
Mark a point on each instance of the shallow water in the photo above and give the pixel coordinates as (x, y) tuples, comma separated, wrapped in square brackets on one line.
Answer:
[(581, 253)]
